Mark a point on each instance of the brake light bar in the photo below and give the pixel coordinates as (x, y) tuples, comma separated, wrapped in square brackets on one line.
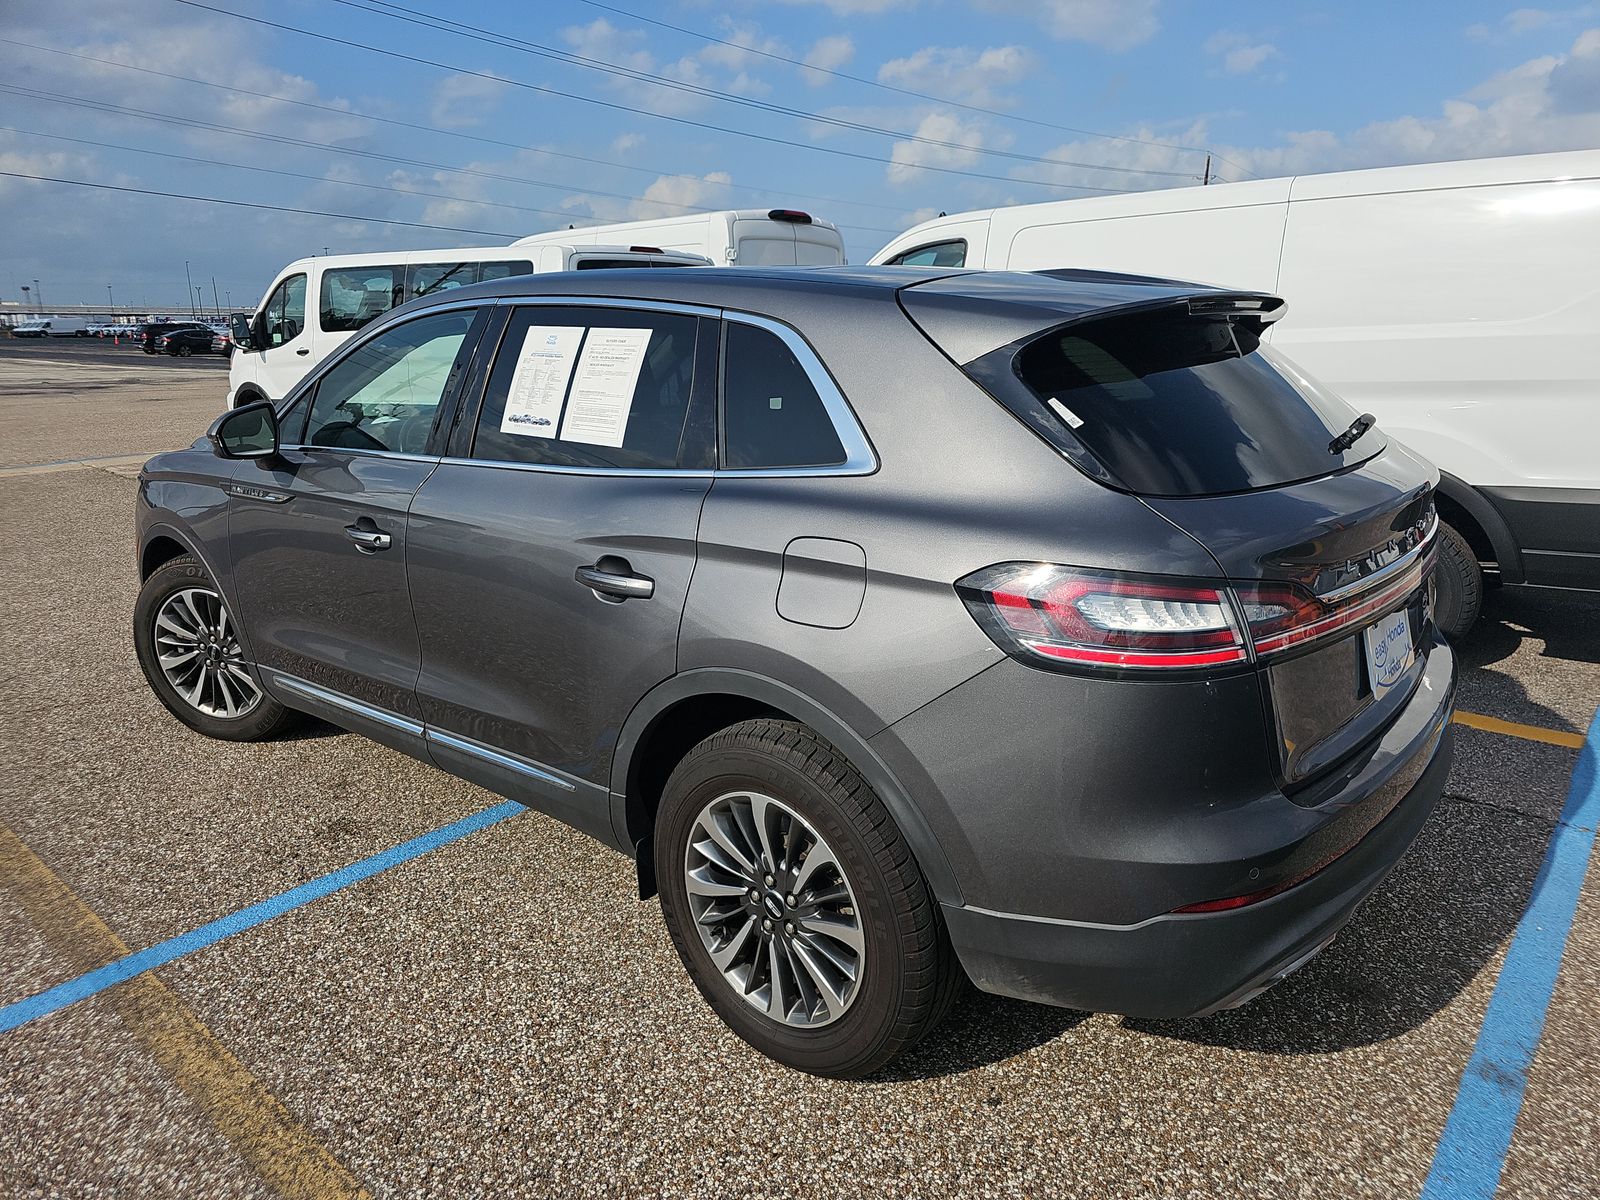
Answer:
[(646, 250), (1281, 616), (793, 215)]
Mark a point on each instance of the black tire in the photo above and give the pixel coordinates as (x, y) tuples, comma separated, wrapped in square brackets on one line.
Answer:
[(1459, 597), (910, 973), (184, 351), (266, 720)]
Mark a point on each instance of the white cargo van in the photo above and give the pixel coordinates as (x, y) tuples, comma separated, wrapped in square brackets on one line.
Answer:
[(749, 237), (1457, 302), (316, 303), (42, 327)]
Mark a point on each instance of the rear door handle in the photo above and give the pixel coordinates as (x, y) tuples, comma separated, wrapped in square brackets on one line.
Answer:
[(620, 584), (368, 539)]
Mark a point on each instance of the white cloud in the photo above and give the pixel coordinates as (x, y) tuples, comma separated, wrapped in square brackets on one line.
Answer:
[(463, 100), (961, 72), (968, 137), (858, 8), (1111, 24), (667, 196), (1529, 20), (729, 68), (626, 143), (828, 54), (1240, 53)]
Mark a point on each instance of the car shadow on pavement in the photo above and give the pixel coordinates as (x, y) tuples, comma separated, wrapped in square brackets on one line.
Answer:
[(980, 1030), (1567, 622)]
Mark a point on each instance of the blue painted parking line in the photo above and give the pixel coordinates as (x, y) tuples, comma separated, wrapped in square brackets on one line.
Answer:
[(1472, 1150), (159, 955)]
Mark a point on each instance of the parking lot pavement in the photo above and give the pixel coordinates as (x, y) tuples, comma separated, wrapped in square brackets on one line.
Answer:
[(499, 1016)]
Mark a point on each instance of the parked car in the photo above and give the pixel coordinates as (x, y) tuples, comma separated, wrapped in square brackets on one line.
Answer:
[(1454, 301), (151, 333), (221, 343), (897, 623), (280, 342), (182, 343)]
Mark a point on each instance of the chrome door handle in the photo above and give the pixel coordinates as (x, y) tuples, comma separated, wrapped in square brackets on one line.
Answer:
[(368, 541), (618, 586)]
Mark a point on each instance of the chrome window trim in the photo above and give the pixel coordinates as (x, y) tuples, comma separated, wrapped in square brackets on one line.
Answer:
[(499, 757), (339, 700), (1381, 576)]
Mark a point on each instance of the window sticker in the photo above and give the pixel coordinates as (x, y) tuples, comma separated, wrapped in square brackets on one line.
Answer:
[(602, 389), (539, 384)]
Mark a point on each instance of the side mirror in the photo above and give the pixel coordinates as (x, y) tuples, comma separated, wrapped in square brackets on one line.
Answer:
[(249, 431), (239, 327)]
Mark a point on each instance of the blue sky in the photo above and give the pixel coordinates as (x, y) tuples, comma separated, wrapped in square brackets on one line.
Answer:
[(1269, 89)]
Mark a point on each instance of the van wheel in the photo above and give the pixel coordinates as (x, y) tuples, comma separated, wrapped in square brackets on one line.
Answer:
[(795, 904), (1459, 598)]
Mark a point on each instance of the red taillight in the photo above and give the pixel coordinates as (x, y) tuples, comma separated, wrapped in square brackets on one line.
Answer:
[(1067, 616), (793, 215), (646, 250)]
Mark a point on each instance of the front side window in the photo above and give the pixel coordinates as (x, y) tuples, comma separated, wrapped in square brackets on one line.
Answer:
[(286, 311), (352, 296), (385, 395), (772, 415), (945, 254), (589, 387)]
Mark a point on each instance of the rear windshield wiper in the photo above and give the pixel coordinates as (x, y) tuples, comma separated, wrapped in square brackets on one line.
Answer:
[(1352, 435)]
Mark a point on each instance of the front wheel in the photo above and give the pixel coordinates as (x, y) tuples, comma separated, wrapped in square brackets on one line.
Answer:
[(188, 646), (1459, 598), (795, 904)]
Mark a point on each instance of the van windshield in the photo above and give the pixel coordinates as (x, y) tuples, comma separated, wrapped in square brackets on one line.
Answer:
[(1172, 404)]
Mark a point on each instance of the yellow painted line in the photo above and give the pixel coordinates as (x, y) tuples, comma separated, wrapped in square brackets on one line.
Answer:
[(283, 1152), (1532, 733)]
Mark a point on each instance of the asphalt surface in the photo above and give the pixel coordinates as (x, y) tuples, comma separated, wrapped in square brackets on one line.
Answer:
[(501, 1017)]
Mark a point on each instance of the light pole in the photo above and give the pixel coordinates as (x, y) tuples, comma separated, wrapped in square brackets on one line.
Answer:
[(110, 303), (190, 282), (197, 310), (38, 295)]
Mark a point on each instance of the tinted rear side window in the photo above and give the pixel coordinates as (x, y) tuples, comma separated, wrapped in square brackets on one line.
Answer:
[(352, 296), (771, 414), (1176, 405), (504, 270)]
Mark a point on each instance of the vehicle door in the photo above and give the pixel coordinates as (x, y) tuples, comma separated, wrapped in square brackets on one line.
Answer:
[(282, 338), (550, 553), (319, 532)]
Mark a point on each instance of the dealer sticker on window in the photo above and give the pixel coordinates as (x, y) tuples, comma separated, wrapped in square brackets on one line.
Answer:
[(1389, 651)]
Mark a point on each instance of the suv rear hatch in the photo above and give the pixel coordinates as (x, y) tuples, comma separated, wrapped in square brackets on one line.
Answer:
[(1323, 530)]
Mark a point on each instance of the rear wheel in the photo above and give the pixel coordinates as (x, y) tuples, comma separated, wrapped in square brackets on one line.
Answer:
[(188, 647), (185, 351), (1459, 599), (795, 904)]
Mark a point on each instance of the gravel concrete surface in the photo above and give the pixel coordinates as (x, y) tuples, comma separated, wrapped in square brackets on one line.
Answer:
[(501, 1017)]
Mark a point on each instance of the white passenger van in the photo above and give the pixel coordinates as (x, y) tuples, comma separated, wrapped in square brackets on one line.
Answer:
[(316, 303), (42, 327), (1457, 302), (749, 237)]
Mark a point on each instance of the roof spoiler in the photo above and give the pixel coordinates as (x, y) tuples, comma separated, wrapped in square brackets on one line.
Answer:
[(1261, 309)]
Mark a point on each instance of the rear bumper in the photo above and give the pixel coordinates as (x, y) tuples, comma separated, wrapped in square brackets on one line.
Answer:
[(1185, 965)]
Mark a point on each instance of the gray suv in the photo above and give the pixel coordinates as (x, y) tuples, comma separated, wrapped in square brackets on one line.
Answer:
[(902, 624)]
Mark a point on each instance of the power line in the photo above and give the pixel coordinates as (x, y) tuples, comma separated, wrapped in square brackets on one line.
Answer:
[(506, 41), (304, 212), (455, 133), (107, 106), (534, 87), (889, 87)]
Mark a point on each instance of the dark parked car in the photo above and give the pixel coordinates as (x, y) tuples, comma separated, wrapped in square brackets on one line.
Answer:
[(151, 333), (900, 623), (182, 343)]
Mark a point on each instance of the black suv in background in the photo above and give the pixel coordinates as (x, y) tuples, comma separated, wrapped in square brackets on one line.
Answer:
[(897, 623), (194, 339)]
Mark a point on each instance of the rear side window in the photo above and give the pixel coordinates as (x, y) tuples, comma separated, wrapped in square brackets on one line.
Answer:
[(504, 270), (945, 254), (771, 413), (589, 387), (352, 296), (1172, 404), (424, 279)]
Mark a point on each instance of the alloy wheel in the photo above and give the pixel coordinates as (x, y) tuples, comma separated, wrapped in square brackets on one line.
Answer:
[(774, 909), (198, 650)]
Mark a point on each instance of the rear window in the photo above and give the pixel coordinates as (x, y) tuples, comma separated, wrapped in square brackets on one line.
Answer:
[(1171, 404)]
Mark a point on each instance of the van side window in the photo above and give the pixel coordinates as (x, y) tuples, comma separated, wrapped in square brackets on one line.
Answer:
[(504, 270), (589, 387), (944, 254), (285, 311), (352, 296), (385, 395), (771, 414), (424, 279)]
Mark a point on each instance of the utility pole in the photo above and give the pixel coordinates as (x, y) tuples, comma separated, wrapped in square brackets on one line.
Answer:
[(215, 303), (110, 303), (190, 282), (198, 310), (1207, 179), (38, 295)]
